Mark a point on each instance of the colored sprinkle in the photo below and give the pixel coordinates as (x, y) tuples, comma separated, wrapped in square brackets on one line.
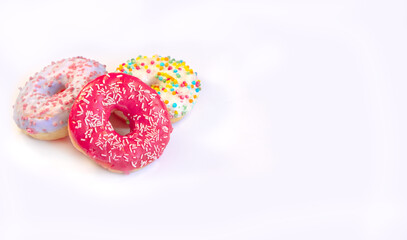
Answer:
[(169, 72)]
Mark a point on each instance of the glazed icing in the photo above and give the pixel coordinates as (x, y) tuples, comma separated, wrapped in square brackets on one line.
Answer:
[(43, 104), (174, 81), (149, 122)]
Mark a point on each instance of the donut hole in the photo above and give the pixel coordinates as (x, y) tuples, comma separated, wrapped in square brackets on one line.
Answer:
[(119, 124), (58, 89)]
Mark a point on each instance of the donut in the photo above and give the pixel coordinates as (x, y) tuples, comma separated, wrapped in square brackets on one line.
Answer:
[(43, 104), (173, 80), (93, 135)]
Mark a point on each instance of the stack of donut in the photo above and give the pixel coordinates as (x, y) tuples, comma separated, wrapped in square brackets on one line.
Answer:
[(76, 97)]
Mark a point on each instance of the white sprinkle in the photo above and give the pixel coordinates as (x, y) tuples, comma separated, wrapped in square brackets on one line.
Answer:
[(134, 164), (81, 111)]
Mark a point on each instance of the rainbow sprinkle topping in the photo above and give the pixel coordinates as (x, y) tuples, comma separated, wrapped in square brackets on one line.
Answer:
[(174, 81)]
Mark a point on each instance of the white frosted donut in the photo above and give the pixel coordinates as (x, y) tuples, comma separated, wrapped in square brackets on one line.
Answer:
[(174, 81), (43, 105)]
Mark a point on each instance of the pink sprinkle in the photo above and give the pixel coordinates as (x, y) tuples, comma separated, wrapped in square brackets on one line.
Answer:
[(148, 70), (169, 68), (55, 124), (152, 62)]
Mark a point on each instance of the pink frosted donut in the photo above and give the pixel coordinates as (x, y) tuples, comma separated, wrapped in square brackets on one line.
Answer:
[(42, 107), (92, 133)]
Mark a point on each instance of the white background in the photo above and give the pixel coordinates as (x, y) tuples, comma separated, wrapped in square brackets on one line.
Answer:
[(299, 132)]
